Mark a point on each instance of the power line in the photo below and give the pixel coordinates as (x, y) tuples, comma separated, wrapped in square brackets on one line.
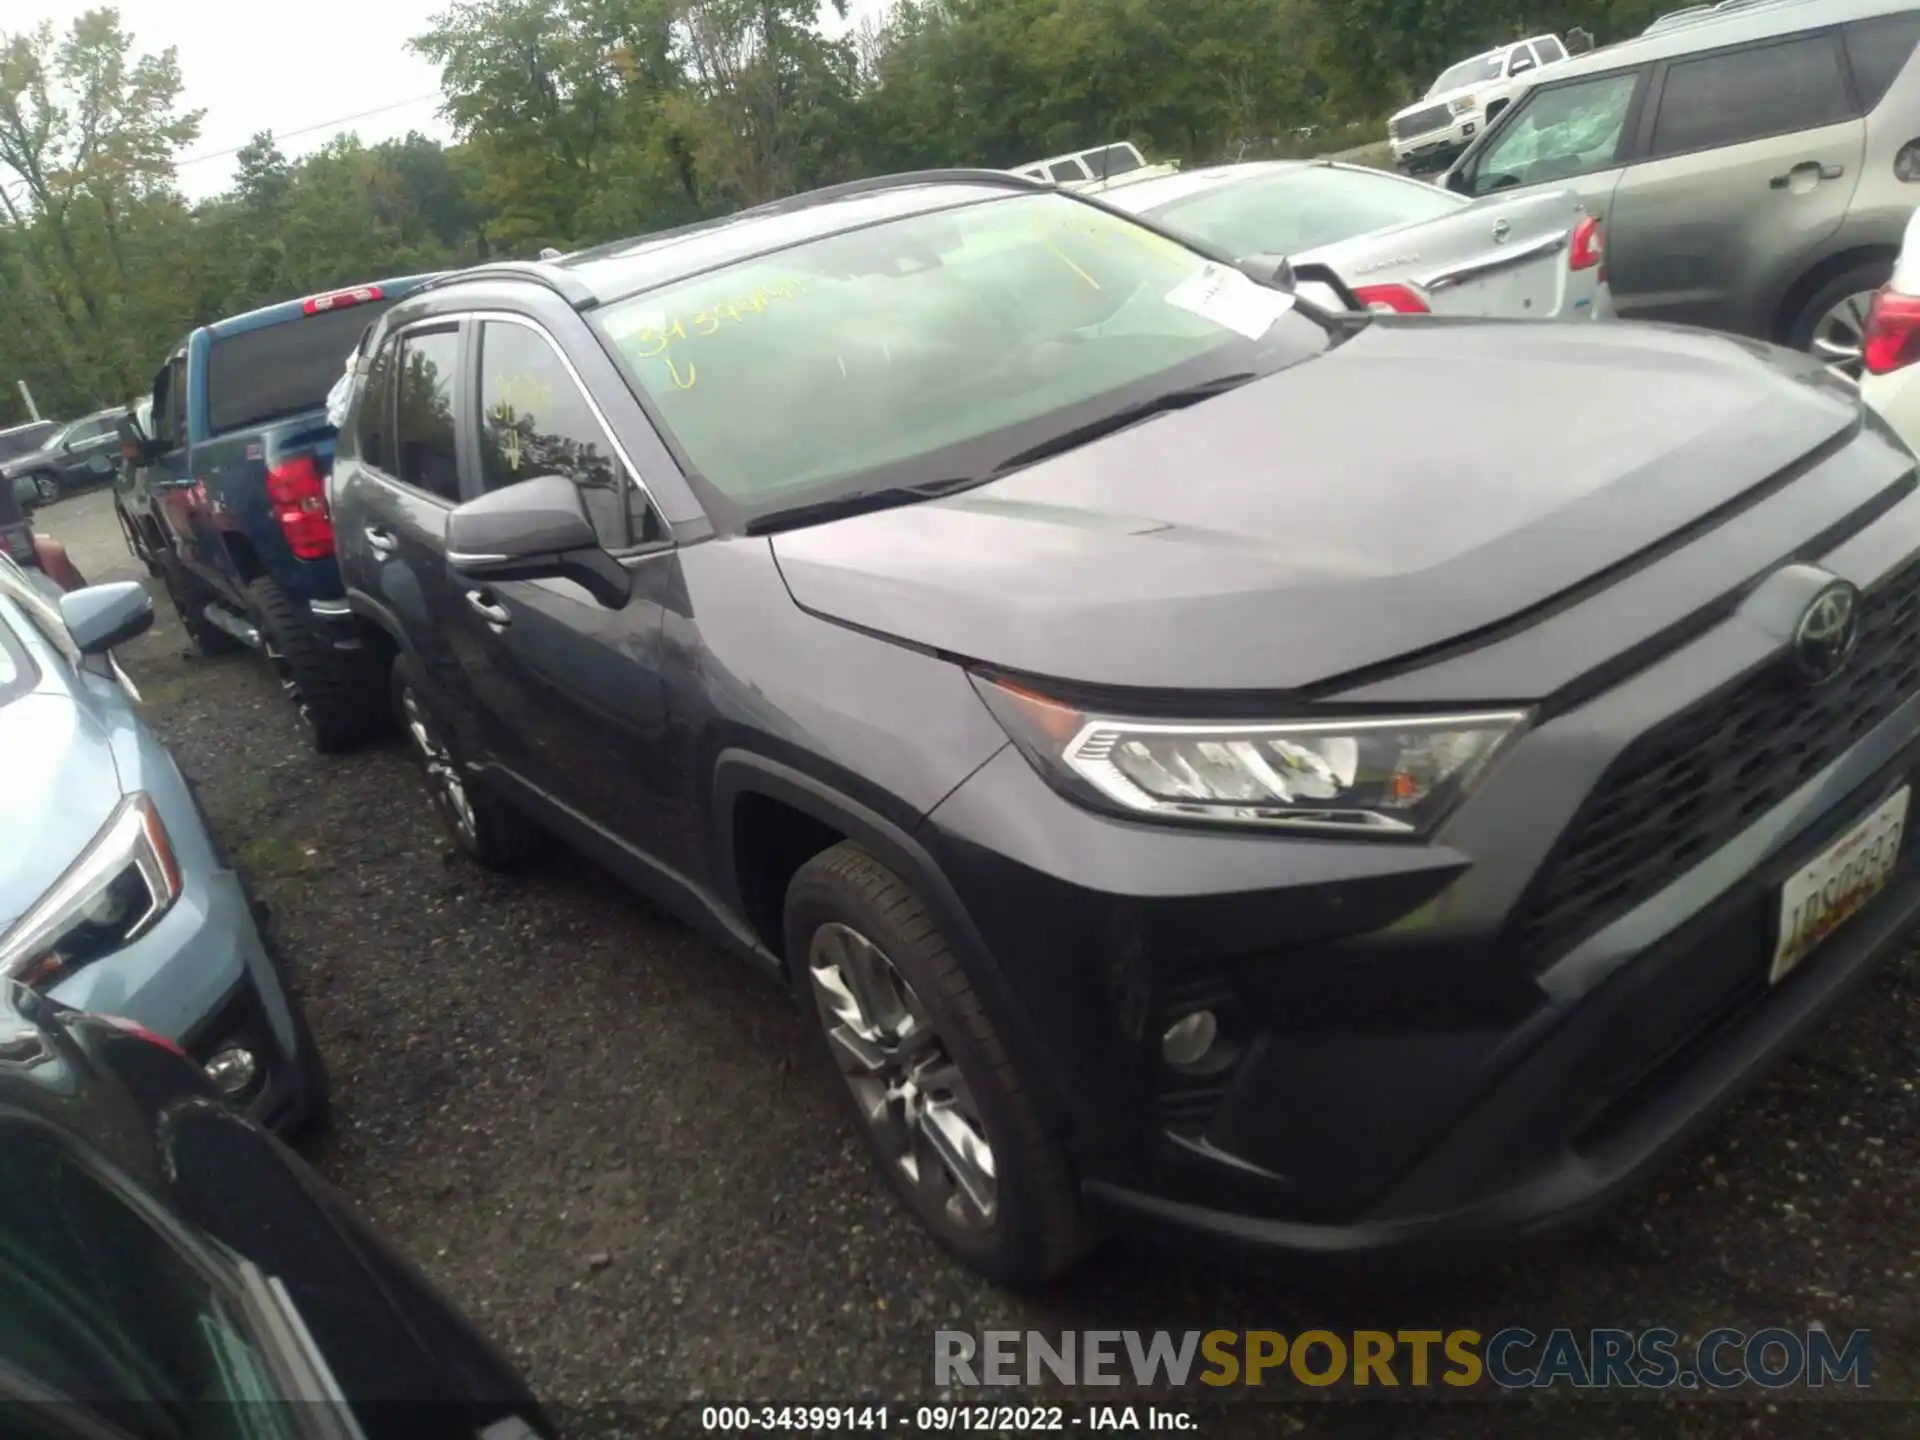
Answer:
[(309, 129)]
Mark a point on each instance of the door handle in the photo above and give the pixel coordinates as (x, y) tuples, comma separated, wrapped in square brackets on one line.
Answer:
[(381, 541), (1809, 171), (493, 614)]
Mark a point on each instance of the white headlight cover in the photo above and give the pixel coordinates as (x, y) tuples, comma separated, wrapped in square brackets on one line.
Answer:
[(1380, 775), (123, 882)]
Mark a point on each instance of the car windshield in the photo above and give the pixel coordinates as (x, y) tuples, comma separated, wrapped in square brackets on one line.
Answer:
[(932, 347), (1283, 212), (1467, 72)]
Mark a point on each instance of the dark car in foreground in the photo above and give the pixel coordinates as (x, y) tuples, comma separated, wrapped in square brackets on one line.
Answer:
[(170, 1270), (225, 492), (1182, 798)]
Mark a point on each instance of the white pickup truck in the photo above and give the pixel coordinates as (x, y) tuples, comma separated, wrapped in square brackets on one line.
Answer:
[(1431, 133), (1087, 169)]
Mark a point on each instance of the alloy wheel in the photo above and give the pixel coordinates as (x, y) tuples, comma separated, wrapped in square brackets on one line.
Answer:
[(1840, 335), (443, 774), (289, 684), (47, 487), (908, 1088)]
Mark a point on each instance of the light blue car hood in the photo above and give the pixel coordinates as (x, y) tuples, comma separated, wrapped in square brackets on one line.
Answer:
[(58, 785)]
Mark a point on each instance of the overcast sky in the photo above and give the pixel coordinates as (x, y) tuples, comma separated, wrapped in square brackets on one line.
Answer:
[(241, 61)]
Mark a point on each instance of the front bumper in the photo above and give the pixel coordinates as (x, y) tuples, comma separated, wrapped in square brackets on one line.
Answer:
[(1411, 1065), (1437, 149), (203, 977)]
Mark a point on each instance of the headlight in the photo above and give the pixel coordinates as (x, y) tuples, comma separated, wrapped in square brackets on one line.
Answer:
[(122, 884), (1385, 775), (1463, 107)]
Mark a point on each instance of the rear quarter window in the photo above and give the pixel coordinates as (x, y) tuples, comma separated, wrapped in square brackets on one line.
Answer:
[(1878, 50), (278, 370)]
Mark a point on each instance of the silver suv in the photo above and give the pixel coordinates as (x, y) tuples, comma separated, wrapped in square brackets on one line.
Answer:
[(1753, 171)]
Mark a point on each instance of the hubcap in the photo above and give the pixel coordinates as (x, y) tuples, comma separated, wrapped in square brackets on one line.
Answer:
[(906, 1084), (48, 487), (289, 686), (443, 776), (1841, 334)]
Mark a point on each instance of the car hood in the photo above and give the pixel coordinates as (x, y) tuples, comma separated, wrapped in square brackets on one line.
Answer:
[(60, 784), (1425, 480), (1461, 92)]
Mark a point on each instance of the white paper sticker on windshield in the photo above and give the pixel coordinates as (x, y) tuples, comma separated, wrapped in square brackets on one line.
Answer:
[(1229, 298)]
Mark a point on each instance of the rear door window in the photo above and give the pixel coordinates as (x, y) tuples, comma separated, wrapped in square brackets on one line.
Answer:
[(1751, 93), (280, 370), (1878, 50), (373, 421), (425, 456)]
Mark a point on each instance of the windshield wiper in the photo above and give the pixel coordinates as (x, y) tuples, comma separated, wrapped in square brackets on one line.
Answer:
[(860, 501), (1120, 419)]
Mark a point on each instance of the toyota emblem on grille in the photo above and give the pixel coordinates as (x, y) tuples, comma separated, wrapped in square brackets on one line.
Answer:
[(1828, 631), (1501, 229)]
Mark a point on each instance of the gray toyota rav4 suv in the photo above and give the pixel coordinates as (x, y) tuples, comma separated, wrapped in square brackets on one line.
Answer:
[(1178, 796), (1753, 170)]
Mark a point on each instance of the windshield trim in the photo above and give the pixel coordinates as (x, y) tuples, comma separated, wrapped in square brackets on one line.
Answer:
[(729, 517)]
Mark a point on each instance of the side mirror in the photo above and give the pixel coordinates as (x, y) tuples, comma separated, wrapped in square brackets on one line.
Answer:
[(535, 530), (99, 617), (1520, 68), (1456, 181)]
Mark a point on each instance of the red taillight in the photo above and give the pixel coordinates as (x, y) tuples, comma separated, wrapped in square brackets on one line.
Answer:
[(340, 299), (1398, 299), (1893, 333), (299, 494), (141, 1032), (1588, 248)]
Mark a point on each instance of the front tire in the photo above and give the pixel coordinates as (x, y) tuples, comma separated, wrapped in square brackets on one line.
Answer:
[(337, 695), (46, 485), (942, 1106), (484, 826)]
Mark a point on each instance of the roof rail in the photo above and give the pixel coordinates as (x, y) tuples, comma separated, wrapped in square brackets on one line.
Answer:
[(1004, 179), (561, 282)]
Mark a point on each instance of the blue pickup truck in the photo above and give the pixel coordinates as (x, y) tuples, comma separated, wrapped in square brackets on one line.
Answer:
[(233, 508)]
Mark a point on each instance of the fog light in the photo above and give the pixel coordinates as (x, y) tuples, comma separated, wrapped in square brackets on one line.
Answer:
[(1189, 1039), (233, 1071)]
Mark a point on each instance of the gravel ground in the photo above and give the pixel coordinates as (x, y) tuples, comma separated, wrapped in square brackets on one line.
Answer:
[(618, 1150)]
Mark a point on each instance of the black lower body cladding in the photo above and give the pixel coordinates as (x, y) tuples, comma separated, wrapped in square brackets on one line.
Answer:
[(1401, 1062)]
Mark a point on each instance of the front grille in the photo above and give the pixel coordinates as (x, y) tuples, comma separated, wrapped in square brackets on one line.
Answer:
[(1688, 786), (1420, 122)]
